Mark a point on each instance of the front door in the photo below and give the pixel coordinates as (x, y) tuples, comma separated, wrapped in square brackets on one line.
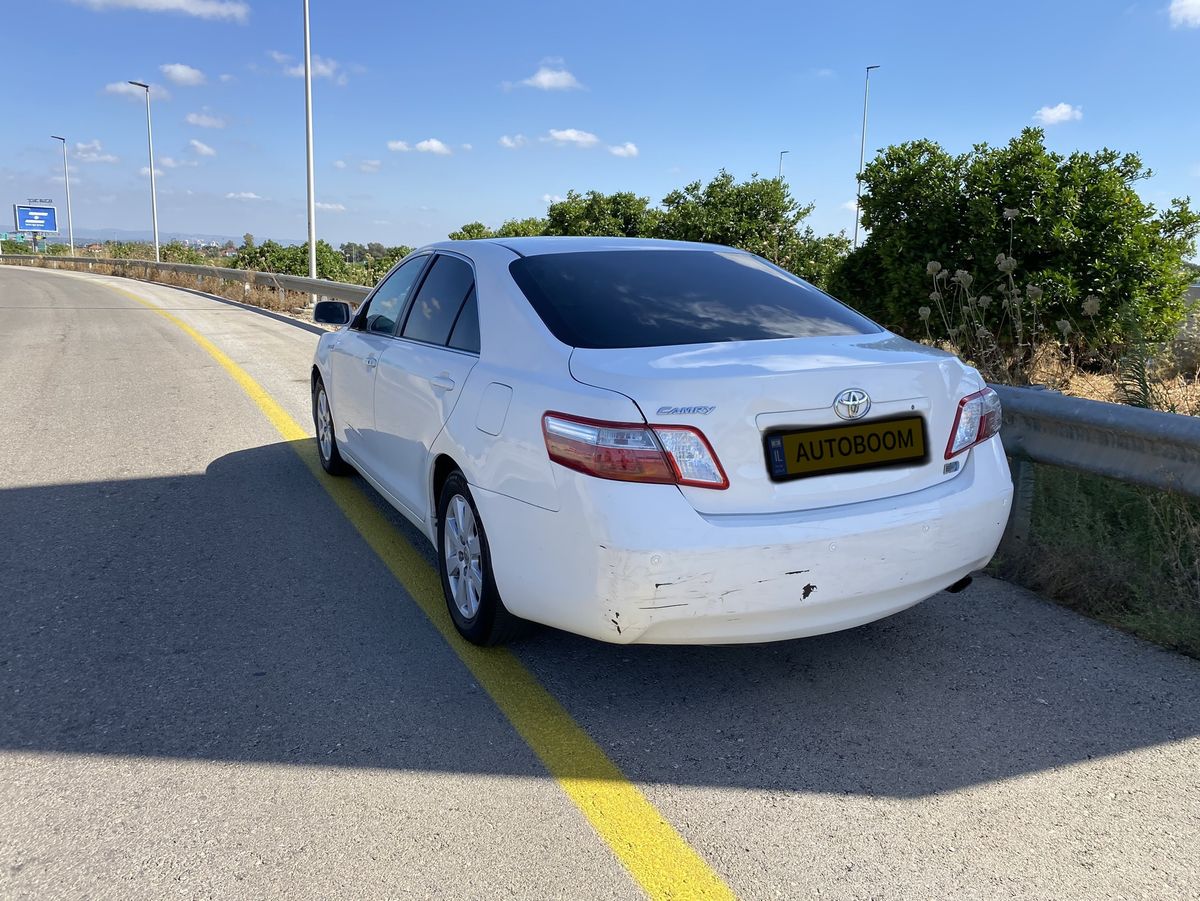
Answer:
[(355, 358), (421, 377)]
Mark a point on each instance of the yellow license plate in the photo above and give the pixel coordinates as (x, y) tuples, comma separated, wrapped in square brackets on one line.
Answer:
[(829, 449)]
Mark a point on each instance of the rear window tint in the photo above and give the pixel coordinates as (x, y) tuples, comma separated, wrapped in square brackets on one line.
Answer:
[(657, 298)]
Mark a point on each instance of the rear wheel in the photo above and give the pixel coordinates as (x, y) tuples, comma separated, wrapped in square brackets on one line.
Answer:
[(465, 564), (327, 449)]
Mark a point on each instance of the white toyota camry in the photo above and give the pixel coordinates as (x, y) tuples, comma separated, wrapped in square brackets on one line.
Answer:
[(662, 442)]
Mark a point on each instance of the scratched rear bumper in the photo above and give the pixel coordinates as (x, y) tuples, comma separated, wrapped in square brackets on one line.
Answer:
[(636, 563)]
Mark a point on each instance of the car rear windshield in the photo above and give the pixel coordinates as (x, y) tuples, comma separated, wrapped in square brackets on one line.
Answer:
[(657, 298)]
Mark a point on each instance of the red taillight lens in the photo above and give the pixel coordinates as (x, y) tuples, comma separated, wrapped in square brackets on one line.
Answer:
[(977, 420), (633, 452)]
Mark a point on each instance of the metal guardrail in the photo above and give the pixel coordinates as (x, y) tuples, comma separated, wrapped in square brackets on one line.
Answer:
[(316, 286), (1143, 447)]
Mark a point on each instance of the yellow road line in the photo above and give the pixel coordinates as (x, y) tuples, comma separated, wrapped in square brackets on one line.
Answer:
[(655, 855)]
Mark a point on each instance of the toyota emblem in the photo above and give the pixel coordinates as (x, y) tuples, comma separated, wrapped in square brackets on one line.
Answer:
[(853, 403)]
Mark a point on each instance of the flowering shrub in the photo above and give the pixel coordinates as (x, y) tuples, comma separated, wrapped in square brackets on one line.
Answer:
[(998, 324)]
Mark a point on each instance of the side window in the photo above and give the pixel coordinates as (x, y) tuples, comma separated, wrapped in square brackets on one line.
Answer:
[(437, 304), (465, 335), (387, 303)]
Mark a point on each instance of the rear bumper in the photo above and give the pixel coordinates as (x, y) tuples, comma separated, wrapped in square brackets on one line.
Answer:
[(636, 563)]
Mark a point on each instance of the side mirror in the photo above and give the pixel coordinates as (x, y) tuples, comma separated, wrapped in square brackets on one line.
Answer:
[(331, 312)]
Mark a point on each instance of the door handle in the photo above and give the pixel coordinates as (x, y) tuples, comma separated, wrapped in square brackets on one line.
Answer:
[(442, 383), (370, 362)]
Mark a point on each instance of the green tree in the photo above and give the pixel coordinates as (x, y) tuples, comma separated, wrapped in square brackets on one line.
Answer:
[(248, 240), (1074, 224), (758, 215), (623, 214), (354, 253), (178, 252), (472, 231), (271, 256), (530, 227)]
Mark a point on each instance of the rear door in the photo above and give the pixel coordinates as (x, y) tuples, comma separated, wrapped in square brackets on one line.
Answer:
[(421, 377), (354, 359)]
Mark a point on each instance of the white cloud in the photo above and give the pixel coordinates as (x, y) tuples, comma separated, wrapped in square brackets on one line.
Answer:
[(339, 164), (850, 205), (204, 120), (564, 136), (92, 152), (126, 89), (322, 67), (1053, 115), (181, 74), (433, 145), (513, 142), (226, 78), (823, 73), (370, 166), (201, 148), (233, 10), (278, 57), (467, 147), (145, 172), (380, 222), (330, 207), (547, 79), (242, 195), (429, 145), (1185, 13), (627, 149), (552, 198), (169, 162)]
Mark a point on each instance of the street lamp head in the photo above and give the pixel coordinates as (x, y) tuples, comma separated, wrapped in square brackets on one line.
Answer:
[(869, 68), (57, 138), (139, 84)]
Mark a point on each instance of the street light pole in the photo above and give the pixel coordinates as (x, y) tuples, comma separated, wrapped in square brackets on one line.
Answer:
[(781, 153), (862, 151), (312, 206), (67, 182), (150, 144)]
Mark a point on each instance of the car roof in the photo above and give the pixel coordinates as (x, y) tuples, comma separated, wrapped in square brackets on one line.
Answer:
[(528, 247)]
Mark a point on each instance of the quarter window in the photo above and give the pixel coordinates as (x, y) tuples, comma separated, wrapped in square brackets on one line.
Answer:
[(388, 300), (465, 335), (439, 301)]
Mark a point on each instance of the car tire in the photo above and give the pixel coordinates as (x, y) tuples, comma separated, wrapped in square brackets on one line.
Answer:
[(465, 566), (327, 448)]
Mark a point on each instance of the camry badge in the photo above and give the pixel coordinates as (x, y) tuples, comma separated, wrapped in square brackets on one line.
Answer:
[(684, 411), (853, 403)]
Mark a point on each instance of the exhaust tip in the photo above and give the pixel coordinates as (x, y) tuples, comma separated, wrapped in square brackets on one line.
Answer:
[(959, 585)]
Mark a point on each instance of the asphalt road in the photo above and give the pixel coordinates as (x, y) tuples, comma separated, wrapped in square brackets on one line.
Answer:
[(211, 686)]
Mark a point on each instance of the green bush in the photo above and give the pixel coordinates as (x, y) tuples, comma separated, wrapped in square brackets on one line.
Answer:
[(1074, 224)]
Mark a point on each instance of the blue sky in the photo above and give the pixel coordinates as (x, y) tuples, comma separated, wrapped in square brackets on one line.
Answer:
[(641, 96)]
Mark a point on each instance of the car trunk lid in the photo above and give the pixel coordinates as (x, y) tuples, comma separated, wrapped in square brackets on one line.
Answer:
[(739, 393)]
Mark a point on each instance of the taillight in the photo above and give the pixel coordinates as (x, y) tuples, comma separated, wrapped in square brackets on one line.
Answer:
[(977, 420), (633, 452)]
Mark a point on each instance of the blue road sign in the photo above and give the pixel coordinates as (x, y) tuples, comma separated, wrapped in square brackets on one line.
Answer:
[(31, 218)]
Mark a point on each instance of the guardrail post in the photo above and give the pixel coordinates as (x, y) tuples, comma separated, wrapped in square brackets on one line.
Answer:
[(1020, 519)]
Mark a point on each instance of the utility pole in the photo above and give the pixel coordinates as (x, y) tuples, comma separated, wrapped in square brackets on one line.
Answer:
[(150, 143), (312, 206), (67, 182), (862, 151)]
